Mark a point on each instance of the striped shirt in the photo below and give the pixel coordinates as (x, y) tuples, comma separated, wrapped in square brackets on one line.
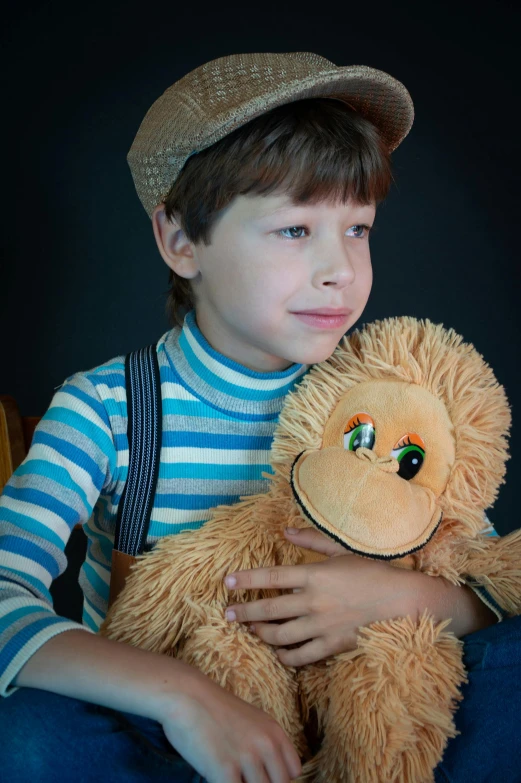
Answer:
[(218, 424)]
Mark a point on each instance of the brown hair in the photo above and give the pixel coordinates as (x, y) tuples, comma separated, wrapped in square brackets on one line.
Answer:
[(311, 150)]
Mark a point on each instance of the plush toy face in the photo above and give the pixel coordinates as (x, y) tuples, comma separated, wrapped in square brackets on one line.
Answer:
[(385, 460)]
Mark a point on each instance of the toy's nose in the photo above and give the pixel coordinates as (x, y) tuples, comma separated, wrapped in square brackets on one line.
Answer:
[(388, 464)]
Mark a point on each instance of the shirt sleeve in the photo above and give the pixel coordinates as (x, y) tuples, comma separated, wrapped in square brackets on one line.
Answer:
[(71, 460), (480, 590), (488, 527), (486, 598)]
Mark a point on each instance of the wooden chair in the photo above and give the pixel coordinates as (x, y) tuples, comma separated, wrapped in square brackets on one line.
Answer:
[(16, 434)]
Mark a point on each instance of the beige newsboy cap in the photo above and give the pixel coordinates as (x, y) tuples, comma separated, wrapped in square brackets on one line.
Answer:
[(223, 94)]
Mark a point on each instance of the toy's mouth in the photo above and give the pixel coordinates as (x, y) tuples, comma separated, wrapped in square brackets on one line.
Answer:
[(355, 502)]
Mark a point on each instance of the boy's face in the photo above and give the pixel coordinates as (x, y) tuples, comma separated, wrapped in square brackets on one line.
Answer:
[(269, 264)]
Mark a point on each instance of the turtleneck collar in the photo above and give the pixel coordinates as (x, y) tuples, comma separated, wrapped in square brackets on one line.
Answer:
[(223, 383)]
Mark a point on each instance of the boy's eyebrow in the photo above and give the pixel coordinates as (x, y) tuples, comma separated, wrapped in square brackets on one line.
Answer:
[(283, 208)]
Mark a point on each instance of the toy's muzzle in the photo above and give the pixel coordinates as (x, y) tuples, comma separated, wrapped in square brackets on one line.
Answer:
[(358, 499)]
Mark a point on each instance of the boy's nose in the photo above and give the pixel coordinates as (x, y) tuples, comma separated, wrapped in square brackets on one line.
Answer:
[(337, 271)]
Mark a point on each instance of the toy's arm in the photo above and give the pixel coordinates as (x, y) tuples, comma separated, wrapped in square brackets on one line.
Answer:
[(495, 563), (169, 590)]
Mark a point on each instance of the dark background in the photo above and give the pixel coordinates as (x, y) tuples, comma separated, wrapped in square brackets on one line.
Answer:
[(81, 277)]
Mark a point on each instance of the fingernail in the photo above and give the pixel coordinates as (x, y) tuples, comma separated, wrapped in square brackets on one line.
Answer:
[(229, 614), (230, 581), (292, 530), (252, 628)]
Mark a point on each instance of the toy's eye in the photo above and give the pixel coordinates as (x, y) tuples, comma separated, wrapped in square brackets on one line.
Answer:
[(359, 432), (410, 453)]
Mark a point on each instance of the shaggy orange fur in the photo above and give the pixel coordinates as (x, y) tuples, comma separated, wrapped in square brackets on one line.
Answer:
[(384, 712)]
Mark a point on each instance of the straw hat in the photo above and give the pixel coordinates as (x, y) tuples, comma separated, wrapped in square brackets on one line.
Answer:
[(223, 94)]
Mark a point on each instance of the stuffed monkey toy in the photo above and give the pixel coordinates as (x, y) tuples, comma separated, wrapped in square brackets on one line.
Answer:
[(393, 447)]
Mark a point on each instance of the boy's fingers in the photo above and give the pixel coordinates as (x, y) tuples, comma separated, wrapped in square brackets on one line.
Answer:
[(253, 771), (280, 608), (279, 576), (276, 768), (292, 632), (312, 652)]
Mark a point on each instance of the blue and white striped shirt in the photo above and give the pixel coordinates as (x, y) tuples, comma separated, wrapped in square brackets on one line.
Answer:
[(218, 423)]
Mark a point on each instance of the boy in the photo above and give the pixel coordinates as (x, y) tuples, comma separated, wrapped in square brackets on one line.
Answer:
[(261, 174)]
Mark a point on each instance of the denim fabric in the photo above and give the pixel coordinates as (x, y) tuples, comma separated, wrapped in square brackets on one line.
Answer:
[(46, 737), (488, 750)]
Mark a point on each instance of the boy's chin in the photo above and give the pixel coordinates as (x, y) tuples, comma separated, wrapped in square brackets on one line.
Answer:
[(314, 351), (313, 355)]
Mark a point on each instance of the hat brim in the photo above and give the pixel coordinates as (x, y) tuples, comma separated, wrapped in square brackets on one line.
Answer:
[(374, 94), (155, 164)]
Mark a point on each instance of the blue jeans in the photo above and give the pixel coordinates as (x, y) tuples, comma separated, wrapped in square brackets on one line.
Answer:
[(488, 750), (44, 737)]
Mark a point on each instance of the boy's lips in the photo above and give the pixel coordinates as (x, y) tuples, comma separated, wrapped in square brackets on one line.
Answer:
[(325, 311), (324, 317)]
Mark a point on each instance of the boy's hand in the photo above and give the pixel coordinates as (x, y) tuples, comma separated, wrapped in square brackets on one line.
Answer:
[(226, 739), (335, 597)]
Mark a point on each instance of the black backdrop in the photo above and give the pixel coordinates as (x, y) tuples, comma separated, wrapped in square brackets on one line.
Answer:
[(81, 277)]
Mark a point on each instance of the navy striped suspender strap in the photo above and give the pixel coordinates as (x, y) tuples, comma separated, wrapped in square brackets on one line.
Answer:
[(144, 443)]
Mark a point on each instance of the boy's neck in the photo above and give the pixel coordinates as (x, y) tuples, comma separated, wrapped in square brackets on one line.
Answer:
[(250, 358), (223, 383)]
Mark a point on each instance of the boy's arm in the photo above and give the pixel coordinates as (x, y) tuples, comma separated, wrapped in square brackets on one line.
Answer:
[(339, 595), (223, 737), (72, 458), (93, 668)]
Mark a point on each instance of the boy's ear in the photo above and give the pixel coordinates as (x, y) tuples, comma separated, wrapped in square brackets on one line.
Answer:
[(173, 244)]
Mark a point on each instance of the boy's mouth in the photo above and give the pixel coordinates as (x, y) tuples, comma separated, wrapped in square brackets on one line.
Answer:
[(325, 318)]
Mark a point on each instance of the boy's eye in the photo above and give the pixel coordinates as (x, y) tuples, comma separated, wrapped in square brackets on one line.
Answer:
[(359, 230), (293, 231)]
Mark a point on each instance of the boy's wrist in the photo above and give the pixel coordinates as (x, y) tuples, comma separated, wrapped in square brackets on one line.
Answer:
[(470, 614), (178, 685), (456, 603)]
